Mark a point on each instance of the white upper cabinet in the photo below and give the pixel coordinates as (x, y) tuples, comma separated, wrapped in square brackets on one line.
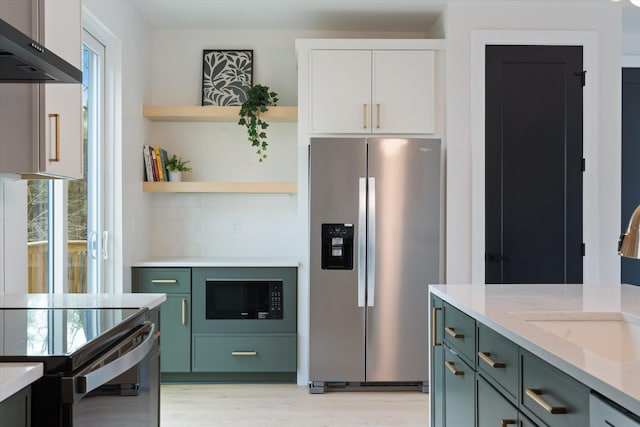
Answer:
[(61, 120), (372, 91), (42, 123)]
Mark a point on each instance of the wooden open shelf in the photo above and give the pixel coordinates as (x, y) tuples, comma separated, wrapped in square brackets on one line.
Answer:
[(220, 187), (194, 113)]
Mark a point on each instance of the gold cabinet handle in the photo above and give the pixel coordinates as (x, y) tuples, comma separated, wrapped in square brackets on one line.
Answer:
[(505, 423), (489, 361), (54, 132), (378, 116), (184, 311), (164, 281), (244, 353), (452, 368), (453, 333), (535, 395), (365, 116), (434, 325)]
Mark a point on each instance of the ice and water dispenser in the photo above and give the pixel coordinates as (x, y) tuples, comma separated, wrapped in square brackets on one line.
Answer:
[(337, 246)]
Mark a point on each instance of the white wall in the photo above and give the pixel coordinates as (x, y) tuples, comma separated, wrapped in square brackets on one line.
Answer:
[(129, 38), (465, 220)]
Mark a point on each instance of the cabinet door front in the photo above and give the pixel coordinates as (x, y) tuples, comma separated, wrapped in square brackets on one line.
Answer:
[(61, 118), (403, 91), (175, 324), (459, 388), (340, 91)]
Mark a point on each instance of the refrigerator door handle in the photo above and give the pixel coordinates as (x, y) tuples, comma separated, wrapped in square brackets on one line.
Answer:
[(371, 247), (362, 240)]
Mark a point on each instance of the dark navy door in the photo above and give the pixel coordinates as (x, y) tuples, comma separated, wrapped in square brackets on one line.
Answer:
[(533, 175)]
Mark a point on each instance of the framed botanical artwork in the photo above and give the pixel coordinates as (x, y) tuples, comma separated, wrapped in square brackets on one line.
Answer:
[(227, 75)]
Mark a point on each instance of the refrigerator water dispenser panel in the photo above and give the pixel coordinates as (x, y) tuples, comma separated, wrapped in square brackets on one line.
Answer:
[(337, 246)]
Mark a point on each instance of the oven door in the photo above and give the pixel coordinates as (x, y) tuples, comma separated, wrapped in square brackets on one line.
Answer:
[(121, 388)]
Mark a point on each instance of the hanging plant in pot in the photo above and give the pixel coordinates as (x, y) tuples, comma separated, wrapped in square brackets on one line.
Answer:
[(175, 165), (258, 99)]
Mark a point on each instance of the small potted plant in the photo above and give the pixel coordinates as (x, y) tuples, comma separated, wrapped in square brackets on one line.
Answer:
[(175, 165), (258, 99)]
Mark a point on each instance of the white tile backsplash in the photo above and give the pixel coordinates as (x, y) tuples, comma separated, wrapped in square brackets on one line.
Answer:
[(224, 225)]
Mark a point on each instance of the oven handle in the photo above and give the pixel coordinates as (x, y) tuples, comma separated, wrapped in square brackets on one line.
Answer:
[(76, 387)]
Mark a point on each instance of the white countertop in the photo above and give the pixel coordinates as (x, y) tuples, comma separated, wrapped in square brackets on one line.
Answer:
[(218, 262), (16, 376), (609, 364), (140, 300)]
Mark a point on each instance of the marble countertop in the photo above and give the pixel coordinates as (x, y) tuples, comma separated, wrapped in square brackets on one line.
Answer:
[(218, 262), (140, 300), (605, 359), (16, 376)]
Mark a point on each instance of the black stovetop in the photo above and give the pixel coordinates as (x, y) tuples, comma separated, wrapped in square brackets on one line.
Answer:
[(64, 339)]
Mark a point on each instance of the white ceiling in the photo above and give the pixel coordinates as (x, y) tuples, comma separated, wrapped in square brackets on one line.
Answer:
[(329, 15)]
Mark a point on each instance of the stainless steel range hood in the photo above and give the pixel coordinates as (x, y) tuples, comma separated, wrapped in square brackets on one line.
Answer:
[(23, 60)]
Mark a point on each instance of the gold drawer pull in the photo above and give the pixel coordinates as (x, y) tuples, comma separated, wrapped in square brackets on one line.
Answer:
[(535, 395), (164, 281), (505, 423), (489, 361), (453, 333), (244, 353), (434, 321), (451, 367)]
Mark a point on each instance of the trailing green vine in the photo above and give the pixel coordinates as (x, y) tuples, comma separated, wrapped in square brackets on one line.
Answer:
[(258, 100)]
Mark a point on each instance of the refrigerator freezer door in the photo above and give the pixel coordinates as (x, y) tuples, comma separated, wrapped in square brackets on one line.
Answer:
[(337, 324), (407, 248)]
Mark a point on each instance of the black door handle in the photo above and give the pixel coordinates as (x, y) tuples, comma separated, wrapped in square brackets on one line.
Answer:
[(495, 258)]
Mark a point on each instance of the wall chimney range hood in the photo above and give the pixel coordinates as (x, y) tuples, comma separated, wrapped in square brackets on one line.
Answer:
[(23, 60)]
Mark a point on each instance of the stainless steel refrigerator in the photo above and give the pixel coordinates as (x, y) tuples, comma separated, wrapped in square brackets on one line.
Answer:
[(375, 246)]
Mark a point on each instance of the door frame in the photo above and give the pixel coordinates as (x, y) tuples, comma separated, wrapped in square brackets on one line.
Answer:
[(589, 42)]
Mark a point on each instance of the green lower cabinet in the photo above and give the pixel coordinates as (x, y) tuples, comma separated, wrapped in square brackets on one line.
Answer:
[(459, 391), (175, 339), (551, 396), (244, 353), (15, 411), (495, 410), (436, 384)]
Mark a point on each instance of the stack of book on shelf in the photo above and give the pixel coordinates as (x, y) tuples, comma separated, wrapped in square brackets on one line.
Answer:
[(155, 160)]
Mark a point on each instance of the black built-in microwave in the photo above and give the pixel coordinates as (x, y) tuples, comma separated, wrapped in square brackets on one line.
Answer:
[(243, 299)]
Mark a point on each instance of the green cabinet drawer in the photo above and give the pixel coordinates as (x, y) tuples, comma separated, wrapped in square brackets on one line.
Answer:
[(244, 353), (460, 333), (494, 409), (459, 390), (551, 395), (497, 358), (170, 280)]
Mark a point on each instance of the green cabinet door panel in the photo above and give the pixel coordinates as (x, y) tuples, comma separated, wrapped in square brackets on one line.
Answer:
[(494, 409), (459, 390), (436, 382), (175, 333)]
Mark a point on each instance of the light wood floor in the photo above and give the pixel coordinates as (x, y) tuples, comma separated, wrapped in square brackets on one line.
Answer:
[(281, 405)]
